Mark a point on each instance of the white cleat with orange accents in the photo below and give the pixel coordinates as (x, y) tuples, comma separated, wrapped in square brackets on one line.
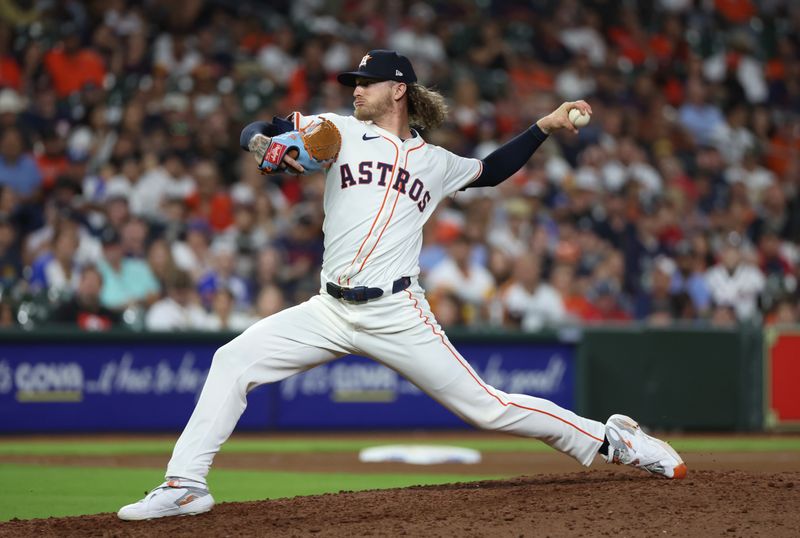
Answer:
[(629, 445), (175, 497)]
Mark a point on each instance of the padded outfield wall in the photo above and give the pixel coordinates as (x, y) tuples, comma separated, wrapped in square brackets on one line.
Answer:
[(677, 379)]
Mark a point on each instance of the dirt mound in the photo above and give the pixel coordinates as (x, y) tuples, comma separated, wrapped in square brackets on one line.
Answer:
[(591, 503)]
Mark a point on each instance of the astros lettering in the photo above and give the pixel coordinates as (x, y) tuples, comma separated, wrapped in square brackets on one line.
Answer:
[(383, 171)]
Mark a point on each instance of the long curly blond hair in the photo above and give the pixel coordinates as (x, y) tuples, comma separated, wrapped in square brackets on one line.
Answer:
[(426, 107)]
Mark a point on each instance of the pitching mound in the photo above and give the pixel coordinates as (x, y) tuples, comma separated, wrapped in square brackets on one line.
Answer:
[(593, 503)]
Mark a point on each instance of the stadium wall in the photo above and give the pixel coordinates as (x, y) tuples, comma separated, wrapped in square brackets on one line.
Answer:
[(677, 379)]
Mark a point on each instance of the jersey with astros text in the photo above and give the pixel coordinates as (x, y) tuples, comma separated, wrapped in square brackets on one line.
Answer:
[(378, 195)]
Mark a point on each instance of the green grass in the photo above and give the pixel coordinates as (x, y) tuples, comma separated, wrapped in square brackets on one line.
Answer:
[(45, 491), (51, 491), (321, 444)]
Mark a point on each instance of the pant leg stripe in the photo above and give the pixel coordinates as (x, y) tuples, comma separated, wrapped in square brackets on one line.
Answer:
[(427, 322)]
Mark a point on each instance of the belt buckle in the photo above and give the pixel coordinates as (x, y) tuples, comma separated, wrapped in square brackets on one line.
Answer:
[(358, 294)]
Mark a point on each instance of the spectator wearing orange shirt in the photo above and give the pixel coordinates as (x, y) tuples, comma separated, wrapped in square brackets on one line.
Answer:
[(52, 162), (606, 304), (211, 200), (71, 67)]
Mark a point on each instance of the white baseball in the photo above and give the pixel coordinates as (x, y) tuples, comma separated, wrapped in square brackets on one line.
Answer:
[(578, 118)]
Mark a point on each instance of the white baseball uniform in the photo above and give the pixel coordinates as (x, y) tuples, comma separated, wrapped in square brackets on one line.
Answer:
[(378, 195)]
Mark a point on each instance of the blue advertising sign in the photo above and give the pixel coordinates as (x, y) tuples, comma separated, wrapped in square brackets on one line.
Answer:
[(141, 386), (354, 392), (107, 387)]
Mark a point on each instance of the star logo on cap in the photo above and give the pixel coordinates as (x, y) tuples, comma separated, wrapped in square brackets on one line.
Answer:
[(364, 60)]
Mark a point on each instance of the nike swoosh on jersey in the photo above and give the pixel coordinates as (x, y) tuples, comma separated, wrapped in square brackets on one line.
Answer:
[(365, 137)]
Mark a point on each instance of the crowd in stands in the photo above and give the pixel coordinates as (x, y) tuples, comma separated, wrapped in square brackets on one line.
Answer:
[(125, 200)]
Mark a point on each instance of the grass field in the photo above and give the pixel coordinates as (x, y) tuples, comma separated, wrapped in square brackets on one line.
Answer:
[(62, 491), (58, 490)]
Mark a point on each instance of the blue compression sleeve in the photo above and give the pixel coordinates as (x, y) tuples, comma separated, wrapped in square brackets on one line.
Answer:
[(278, 126), (503, 162)]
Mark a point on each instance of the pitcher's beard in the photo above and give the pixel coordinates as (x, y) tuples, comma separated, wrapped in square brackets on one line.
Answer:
[(372, 112)]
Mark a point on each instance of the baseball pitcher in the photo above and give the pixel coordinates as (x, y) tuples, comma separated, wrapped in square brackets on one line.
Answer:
[(383, 182)]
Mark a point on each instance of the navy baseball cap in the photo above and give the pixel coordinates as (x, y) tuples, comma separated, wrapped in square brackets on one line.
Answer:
[(381, 65)]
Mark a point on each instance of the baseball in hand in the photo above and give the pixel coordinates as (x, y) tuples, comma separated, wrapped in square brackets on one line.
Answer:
[(578, 118)]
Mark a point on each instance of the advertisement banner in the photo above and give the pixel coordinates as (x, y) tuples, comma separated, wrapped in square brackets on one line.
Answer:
[(153, 386), (355, 392), (75, 386)]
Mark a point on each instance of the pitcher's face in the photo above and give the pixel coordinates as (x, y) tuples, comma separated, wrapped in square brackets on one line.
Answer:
[(372, 98)]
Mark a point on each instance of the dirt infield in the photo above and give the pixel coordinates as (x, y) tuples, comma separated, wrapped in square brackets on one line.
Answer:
[(587, 503)]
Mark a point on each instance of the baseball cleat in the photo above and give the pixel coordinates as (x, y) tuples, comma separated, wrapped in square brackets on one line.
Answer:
[(175, 497), (629, 445)]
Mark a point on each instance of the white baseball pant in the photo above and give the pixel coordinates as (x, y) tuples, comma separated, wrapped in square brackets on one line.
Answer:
[(398, 331)]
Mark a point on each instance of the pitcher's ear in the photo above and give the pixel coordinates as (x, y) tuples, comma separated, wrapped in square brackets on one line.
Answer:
[(400, 89)]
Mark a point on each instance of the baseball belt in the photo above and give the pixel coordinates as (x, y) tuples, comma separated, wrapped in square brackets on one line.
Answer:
[(362, 294)]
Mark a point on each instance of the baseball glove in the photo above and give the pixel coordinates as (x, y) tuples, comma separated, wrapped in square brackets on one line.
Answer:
[(316, 147)]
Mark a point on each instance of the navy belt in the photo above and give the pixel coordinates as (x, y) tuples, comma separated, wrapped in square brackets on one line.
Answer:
[(362, 294)]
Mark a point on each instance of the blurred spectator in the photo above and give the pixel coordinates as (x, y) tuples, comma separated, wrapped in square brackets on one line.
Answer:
[(754, 177), (513, 236), (10, 72), (193, 254), (52, 162), (418, 42), (735, 283), (180, 309), (302, 248), (126, 281), (530, 301), (697, 115), (174, 55), (277, 58), (563, 280), (576, 81), (18, 169), (785, 312), (10, 256), (735, 66), (689, 278), (58, 271), (732, 137), (72, 67), (723, 316), (605, 304), (450, 310), (84, 309), (656, 300), (159, 258), (161, 182), (133, 237), (57, 217), (458, 274), (270, 301), (244, 234), (223, 276), (583, 36), (211, 200), (223, 316), (775, 215), (117, 210)]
